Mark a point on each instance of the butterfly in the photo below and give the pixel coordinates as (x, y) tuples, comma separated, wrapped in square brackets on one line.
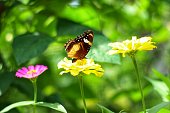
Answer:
[(78, 48)]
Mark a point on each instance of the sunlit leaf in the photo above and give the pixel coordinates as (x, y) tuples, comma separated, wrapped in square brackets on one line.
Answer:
[(162, 77), (164, 111), (99, 51), (158, 107), (160, 87), (46, 23), (104, 109), (53, 6), (24, 1), (30, 45), (85, 15), (18, 104), (55, 106)]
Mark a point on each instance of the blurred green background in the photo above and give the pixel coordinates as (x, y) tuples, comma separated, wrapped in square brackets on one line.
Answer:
[(34, 32)]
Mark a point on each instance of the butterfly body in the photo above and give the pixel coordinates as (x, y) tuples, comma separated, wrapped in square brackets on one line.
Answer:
[(80, 46)]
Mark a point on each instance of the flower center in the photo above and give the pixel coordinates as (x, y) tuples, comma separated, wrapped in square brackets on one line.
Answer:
[(81, 62), (32, 72)]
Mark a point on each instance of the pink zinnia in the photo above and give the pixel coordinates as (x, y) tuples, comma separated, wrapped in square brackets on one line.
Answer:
[(31, 71)]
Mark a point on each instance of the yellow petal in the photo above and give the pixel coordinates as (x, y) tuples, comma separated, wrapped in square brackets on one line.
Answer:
[(87, 66), (131, 46)]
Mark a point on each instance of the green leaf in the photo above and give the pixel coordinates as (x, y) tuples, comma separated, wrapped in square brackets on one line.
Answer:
[(5, 81), (17, 104), (158, 107), (28, 46), (104, 109), (84, 14), (66, 27), (52, 6), (99, 50), (160, 87), (162, 77), (100, 46), (164, 111), (55, 106)]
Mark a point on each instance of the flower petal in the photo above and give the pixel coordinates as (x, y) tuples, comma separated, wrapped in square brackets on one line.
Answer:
[(18, 74), (22, 71), (86, 66), (131, 46), (31, 71), (30, 68), (25, 69)]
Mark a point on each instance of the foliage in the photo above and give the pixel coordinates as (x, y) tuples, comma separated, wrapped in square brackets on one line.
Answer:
[(55, 106), (34, 32)]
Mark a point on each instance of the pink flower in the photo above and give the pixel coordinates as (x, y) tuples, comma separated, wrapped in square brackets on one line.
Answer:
[(31, 71)]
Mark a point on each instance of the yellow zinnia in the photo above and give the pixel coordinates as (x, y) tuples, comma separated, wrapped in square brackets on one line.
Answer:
[(131, 46), (87, 66)]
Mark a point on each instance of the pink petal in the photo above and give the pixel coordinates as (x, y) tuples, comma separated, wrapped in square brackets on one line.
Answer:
[(37, 67), (25, 69), (30, 68), (41, 69), (28, 76), (19, 75), (22, 71)]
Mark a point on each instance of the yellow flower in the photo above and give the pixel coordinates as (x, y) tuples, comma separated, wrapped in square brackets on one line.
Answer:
[(131, 46), (87, 66)]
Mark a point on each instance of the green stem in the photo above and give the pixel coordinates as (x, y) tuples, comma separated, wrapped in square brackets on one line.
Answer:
[(139, 82), (34, 82), (82, 93)]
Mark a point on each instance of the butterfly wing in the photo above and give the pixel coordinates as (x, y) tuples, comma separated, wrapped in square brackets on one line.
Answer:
[(73, 53), (80, 46)]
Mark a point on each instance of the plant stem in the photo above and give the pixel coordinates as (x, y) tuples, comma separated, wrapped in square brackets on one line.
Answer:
[(82, 93), (139, 82), (34, 82)]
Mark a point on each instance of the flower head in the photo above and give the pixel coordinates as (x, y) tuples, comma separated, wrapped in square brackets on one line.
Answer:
[(131, 46), (31, 71), (86, 66)]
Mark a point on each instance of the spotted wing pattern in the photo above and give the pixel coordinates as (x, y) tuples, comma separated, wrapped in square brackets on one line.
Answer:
[(80, 46)]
